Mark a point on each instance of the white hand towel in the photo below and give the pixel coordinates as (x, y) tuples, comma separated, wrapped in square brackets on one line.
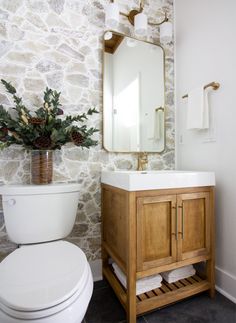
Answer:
[(198, 109), (143, 285), (172, 276)]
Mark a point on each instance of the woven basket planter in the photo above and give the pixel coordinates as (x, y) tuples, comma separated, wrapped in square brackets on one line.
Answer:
[(41, 166)]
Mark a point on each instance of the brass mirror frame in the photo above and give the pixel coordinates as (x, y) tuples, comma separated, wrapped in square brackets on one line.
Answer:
[(164, 106)]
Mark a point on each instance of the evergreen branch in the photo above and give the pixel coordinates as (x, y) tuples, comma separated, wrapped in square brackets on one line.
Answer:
[(69, 119), (10, 88), (43, 130), (91, 111), (17, 100)]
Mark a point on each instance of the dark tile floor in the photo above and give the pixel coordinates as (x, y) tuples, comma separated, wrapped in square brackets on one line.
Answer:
[(105, 308)]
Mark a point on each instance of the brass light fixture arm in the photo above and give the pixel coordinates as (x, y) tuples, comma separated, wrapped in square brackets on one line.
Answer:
[(159, 23), (130, 16)]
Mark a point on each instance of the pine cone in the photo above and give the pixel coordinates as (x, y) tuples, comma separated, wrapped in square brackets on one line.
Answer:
[(60, 112), (43, 142), (36, 121), (3, 133), (77, 138)]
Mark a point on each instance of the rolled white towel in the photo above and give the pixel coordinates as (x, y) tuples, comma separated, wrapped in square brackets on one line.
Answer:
[(180, 271), (143, 285), (172, 276)]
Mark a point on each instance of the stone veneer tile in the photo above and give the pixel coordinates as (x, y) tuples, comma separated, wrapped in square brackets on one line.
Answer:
[(58, 43), (69, 51), (57, 5), (11, 6), (3, 15), (34, 84), (36, 21), (45, 66), (38, 6), (55, 80)]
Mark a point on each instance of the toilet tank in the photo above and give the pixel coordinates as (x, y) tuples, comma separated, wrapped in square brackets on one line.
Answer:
[(39, 213)]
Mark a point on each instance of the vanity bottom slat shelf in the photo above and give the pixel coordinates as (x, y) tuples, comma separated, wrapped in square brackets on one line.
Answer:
[(166, 287), (170, 293), (166, 294)]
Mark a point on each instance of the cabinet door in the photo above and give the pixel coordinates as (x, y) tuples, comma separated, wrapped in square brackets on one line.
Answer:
[(156, 231), (193, 225)]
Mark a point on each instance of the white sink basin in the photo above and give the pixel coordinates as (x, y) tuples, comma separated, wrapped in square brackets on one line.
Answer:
[(151, 180)]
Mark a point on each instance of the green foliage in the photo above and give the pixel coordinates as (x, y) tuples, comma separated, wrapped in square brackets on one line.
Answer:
[(43, 128)]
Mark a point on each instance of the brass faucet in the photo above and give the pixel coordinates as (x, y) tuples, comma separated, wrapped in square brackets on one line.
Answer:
[(142, 161)]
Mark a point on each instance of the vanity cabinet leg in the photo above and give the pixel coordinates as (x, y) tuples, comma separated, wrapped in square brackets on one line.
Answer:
[(211, 277), (131, 300), (131, 260), (131, 314), (105, 259)]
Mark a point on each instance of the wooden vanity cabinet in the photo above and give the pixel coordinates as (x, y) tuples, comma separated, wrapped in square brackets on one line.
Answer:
[(148, 232)]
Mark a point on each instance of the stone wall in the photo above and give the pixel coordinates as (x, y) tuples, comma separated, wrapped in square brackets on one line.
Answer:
[(58, 43)]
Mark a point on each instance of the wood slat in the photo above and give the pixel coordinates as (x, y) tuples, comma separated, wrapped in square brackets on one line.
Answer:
[(197, 278), (157, 291), (178, 284), (167, 285), (150, 294), (142, 297), (165, 288), (172, 286), (185, 282), (202, 275), (191, 280)]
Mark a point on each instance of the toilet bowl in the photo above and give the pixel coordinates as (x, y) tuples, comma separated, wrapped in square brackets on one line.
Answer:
[(43, 281), (48, 282)]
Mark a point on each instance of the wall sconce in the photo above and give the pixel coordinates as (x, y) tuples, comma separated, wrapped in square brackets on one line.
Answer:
[(139, 20)]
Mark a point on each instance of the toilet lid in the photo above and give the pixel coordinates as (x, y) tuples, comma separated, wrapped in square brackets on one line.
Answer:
[(40, 276)]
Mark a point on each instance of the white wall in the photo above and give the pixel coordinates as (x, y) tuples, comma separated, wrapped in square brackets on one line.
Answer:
[(205, 52)]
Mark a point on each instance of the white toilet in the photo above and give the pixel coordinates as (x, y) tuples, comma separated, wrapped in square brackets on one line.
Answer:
[(45, 280)]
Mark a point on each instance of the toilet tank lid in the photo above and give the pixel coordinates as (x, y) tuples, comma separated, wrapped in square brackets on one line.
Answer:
[(41, 276), (24, 189)]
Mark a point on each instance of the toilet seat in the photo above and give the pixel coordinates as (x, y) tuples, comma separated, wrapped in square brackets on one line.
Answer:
[(40, 280)]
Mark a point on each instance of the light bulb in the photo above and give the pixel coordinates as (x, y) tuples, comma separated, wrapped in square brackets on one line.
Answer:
[(140, 24), (166, 32), (112, 15), (108, 35), (131, 42)]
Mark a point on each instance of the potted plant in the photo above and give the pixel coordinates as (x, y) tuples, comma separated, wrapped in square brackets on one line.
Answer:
[(43, 130)]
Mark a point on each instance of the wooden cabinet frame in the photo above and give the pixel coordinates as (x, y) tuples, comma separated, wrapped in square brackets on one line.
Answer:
[(123, 216)]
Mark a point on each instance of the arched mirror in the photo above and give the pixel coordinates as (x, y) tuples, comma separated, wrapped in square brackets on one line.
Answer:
[(133, 95)]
